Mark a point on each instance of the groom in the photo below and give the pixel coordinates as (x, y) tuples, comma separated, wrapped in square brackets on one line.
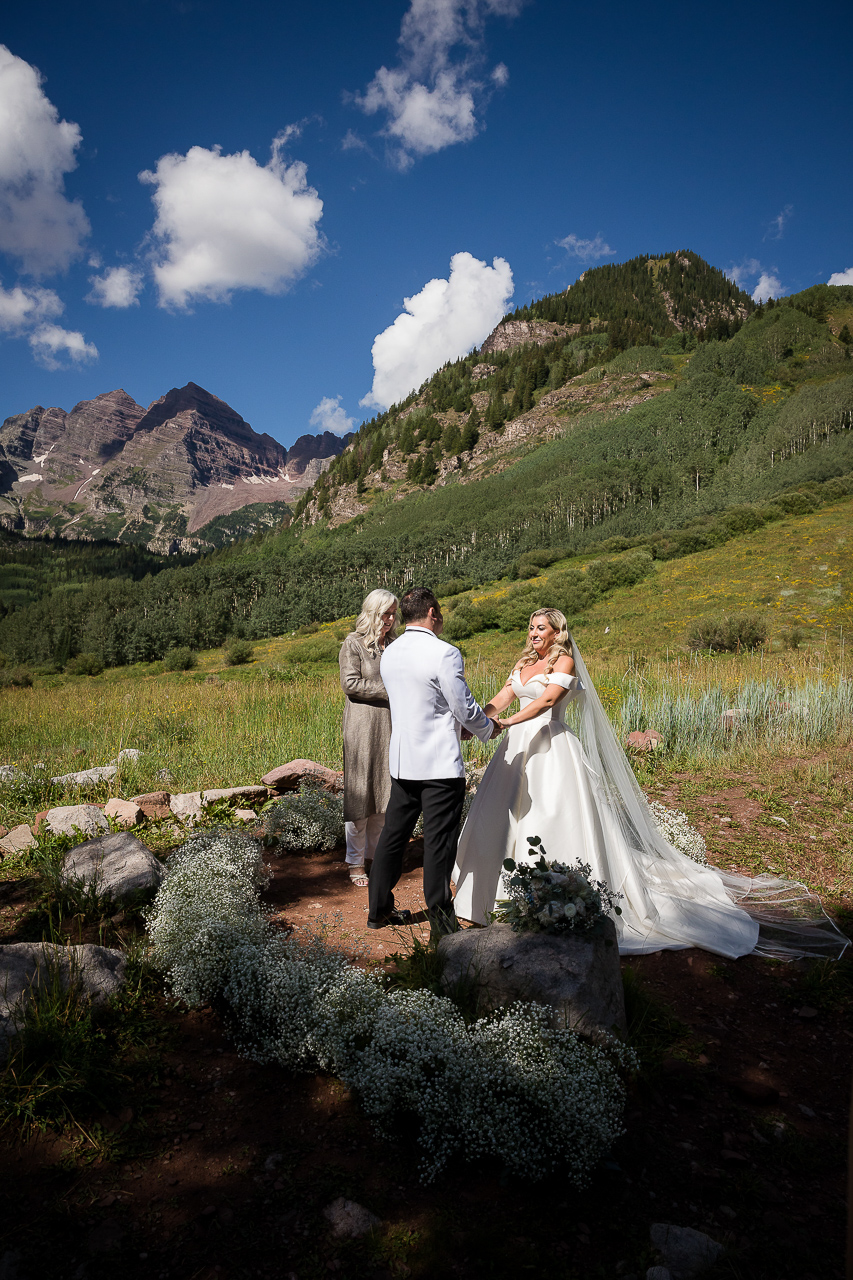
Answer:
[(430, 706)]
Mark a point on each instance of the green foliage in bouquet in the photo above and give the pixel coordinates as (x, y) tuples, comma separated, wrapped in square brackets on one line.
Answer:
[(553, 897)]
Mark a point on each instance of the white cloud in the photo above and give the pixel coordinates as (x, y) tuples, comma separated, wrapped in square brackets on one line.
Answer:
[(352, 142), (117, 287), (769, 286), (431, 100), (50, 342), (841, 277), (330, 416), (586, 250), (20, 308), (442, 322), (777, 225), (39, 226), (224, 222), (744, 271)]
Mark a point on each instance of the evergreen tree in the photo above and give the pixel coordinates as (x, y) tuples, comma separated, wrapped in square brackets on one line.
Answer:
[(376, 451), (471, 433), (429, 468), (845, 335), (451, 439)]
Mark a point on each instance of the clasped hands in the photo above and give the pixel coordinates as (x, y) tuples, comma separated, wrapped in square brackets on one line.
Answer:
[(497, 730)]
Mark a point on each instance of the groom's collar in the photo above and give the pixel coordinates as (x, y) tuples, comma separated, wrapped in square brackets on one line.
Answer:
[(413, 626)]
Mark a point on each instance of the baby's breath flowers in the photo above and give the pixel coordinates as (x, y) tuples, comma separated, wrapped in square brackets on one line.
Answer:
[(674, 827), (309, 819), (507, 1086), (553, 897)]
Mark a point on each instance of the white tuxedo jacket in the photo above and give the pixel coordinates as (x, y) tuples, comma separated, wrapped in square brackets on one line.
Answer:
[(430, 703)]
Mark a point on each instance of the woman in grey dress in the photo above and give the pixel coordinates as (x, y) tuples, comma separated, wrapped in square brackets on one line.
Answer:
[(367, 730)]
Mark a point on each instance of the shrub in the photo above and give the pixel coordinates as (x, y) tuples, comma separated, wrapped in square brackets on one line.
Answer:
[(836, 487), (457, 627), (531, 562), (309, 819), (728, 635), (15, 677), (455, 586), (675, 827), (506, 1086), (238, 652), (181, 659), (796, 503), (86, 664)]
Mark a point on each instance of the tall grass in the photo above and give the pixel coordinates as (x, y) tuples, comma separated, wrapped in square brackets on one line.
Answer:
[(234, 731)]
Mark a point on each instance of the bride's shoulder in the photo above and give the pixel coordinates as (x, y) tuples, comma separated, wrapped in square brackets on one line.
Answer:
[(565, 664)]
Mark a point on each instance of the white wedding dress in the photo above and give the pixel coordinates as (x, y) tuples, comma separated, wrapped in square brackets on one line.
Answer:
[(586, 804)]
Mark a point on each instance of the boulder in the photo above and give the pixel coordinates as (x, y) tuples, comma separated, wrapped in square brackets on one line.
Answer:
[(349, 1219), (685, 1252), (24, 966), (288, 777), (648, 740), (577, 975), (154, 804), (87, 778), (70, 818), (187, 807), (18, 840), (118, 865), (123, 812), (250, 794), (127, 753), (242, 815)]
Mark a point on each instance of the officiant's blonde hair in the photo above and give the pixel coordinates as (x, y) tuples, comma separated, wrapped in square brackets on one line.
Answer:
[(562, 646), (368, 624)]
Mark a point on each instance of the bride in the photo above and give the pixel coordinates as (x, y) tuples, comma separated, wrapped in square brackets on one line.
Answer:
[(579, 795)]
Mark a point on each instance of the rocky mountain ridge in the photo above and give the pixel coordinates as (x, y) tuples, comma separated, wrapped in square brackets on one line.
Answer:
[(607, 395), (111, 469)]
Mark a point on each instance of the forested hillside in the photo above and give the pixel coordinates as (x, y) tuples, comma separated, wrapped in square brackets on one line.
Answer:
[(586, 445), (31, 568)]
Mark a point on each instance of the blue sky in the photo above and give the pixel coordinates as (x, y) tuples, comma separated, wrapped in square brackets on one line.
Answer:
[(307, 168)]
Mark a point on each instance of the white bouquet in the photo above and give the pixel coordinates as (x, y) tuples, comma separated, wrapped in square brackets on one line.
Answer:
[(553, 897)]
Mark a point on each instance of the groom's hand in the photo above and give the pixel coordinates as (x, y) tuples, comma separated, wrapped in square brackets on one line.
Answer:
[(497, 728), (466, 734)]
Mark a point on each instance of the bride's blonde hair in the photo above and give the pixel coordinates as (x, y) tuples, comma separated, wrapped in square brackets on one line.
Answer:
[(561, 648)]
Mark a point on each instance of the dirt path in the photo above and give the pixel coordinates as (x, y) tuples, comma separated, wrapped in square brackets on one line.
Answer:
[(219, 1169)]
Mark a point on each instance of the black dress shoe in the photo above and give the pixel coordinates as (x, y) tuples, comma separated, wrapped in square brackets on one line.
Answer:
[(397, 918)]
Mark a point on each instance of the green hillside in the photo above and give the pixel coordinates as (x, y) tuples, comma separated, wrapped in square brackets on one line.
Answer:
[(584, 445)]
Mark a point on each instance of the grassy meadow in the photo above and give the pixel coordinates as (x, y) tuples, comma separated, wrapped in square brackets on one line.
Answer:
[(793, 701)]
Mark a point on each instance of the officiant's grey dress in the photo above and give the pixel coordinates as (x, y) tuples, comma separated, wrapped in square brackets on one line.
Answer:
[(367, 731)]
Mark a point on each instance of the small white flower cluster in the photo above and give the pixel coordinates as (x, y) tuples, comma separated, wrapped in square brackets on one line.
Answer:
[(553, 897), (675, 828), (205, 907), (506, 1086), (308, 819)]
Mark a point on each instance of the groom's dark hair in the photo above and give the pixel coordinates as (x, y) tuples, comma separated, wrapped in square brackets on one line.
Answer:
[(417, 603)]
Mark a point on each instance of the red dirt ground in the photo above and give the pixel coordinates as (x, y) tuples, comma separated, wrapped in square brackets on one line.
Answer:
[(223, 1167)]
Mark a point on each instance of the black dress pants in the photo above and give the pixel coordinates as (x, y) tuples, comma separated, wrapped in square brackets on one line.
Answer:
[(440, 800)]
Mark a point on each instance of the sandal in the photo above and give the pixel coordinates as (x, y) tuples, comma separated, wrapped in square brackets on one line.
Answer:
[(358, 876)]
